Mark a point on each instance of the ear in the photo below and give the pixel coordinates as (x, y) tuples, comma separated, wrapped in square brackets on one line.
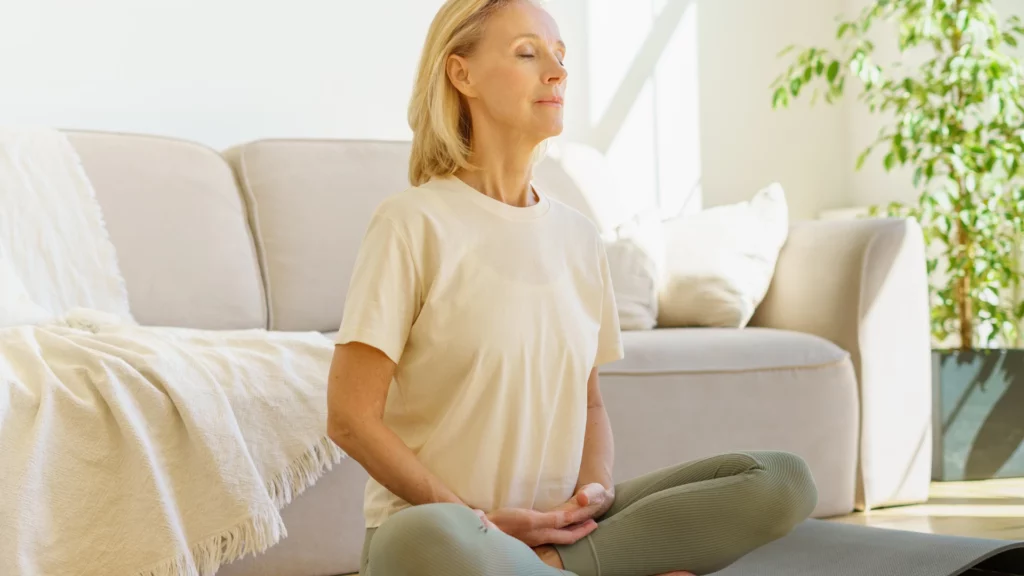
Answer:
[(457, 69)]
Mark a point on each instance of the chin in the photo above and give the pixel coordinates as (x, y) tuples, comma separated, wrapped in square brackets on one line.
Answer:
[(549, 130), (552, 133)]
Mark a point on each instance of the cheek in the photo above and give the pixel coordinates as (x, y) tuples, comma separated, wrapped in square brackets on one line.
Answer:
[(510, 91)]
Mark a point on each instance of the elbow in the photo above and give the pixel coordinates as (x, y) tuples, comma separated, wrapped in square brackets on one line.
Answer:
[(341, 430)]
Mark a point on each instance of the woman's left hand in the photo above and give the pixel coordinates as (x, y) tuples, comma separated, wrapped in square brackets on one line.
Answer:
[(593, 499)]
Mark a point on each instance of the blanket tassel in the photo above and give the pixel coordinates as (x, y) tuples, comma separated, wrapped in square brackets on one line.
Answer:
[(263, 528)]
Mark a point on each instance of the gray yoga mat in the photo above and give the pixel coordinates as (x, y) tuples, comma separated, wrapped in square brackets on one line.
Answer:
[(819, 547)]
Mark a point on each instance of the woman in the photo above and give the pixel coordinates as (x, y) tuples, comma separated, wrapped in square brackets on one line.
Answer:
[(465, 376)]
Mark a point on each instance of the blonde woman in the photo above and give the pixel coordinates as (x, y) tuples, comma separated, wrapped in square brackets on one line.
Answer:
[(465, 377)]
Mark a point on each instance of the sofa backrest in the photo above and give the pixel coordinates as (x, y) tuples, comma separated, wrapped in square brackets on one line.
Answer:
[(180, 227), (311, 201), (262, 235)]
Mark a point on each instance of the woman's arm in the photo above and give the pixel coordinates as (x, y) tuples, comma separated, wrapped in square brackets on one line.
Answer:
[(356, 392), (598, 446)]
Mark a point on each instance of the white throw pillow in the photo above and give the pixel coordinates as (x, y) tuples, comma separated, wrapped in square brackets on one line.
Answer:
[(636, 260), (720, 261), (16, 308)]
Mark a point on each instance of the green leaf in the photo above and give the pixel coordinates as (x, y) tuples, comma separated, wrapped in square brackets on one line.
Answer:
[(833, 71), (862, 158), (780, 98)]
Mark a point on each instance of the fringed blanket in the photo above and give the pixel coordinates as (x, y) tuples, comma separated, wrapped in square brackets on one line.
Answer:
[(127, 449)]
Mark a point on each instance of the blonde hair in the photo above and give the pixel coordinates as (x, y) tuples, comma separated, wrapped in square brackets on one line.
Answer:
[(439, 119)]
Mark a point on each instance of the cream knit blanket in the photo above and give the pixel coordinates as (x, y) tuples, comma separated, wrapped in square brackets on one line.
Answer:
[(127, 449)]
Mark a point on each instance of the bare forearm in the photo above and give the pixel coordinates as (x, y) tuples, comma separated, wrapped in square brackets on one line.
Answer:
[(598, 449), (389, 461)]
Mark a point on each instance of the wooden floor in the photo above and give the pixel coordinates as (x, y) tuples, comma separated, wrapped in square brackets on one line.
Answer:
[(983, 509)]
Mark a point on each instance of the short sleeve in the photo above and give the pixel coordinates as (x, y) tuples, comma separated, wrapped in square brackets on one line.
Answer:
[(384, 292), (609, 337)]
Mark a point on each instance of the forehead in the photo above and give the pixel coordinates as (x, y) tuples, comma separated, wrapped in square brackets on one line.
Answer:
[(522, 18)]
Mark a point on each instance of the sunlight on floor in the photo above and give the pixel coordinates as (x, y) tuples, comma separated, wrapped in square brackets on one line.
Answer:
[(985, 509)]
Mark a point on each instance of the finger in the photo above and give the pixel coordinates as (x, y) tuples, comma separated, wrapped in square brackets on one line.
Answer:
[(582, 497), (570, 504), (581, 529), (565, 536), (585, 528), (576, 516), (548, 520)]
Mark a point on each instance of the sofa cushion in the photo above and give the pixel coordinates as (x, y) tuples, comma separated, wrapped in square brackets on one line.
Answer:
[(178, 223), (311, 201), (703, 350), (695, 392)]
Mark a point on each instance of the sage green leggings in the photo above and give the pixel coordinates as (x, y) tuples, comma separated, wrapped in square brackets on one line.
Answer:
[(700, 516)]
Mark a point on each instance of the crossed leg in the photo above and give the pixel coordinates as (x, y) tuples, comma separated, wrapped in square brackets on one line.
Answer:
[(699, 516)]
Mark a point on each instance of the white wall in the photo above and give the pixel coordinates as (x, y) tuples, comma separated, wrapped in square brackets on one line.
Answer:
[(225, 71), (678, 96), (219, 72), (745, 143), (677, 109)]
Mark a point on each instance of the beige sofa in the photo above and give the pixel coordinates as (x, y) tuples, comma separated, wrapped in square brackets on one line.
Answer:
[(835, 367)]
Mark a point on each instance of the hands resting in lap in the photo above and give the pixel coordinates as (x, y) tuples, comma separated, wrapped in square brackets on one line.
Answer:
[(565, 524)]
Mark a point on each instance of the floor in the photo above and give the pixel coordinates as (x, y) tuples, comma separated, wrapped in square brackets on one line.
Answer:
[(983, 509)]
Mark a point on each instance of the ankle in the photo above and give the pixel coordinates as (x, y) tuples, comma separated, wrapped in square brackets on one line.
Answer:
[(549, 556)]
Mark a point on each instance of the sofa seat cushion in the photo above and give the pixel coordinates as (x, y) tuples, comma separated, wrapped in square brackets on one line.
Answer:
[(696, 392), (703, 350)]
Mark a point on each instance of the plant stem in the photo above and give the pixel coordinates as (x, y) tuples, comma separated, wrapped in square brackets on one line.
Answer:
[(964, 285), (963, 237)]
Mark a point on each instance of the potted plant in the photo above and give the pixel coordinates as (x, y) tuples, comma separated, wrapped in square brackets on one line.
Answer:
[(957, 122)]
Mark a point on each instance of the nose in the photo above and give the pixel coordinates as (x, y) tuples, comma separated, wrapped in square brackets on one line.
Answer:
[(556, 72)]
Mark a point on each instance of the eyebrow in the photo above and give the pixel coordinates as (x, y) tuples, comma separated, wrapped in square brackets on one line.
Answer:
[(536, 37)]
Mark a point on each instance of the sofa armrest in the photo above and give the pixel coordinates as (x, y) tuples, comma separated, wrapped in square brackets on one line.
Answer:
[(862, 284)]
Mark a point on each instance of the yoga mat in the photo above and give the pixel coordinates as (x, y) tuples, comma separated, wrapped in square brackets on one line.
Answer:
[(825, 548)]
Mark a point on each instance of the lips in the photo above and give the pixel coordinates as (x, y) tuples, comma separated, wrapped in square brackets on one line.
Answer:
[(551, 100)]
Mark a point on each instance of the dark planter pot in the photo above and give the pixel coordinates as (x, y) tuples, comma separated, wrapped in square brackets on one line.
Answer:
[(978, 414)]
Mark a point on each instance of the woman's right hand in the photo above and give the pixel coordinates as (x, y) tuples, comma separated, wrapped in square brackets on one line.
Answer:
[(536, 528)]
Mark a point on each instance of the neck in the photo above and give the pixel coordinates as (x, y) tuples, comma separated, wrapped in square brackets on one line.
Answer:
[(503, 168)]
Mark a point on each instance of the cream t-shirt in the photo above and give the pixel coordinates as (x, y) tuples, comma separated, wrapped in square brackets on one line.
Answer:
[(495, 316)]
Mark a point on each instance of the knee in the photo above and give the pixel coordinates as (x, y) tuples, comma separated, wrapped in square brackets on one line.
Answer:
[(418, 536), (788, 490)]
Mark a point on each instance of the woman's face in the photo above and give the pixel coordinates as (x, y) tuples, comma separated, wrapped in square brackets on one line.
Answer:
[(515, 77)]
